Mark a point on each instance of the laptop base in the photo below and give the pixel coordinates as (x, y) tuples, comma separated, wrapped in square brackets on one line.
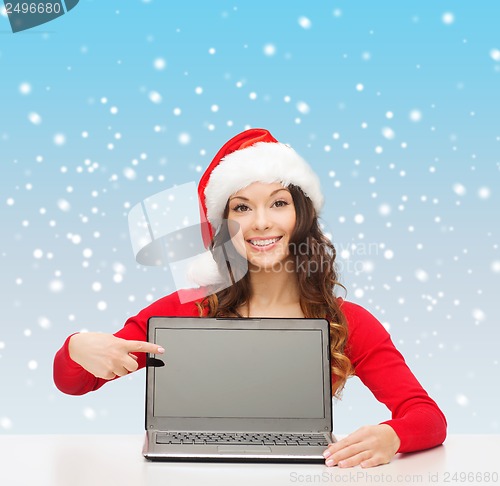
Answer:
[(231, 453)]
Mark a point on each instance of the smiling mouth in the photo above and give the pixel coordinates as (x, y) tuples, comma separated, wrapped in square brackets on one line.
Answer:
[(264, 243)]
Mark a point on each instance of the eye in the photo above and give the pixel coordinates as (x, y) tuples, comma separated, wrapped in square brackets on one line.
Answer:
[(281, 203), (240, 208)]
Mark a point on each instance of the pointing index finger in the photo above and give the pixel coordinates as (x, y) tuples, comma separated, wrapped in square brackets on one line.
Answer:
[(144, 347)]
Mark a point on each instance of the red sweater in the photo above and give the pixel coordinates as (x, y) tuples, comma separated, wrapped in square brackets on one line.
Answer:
[(416, 418)]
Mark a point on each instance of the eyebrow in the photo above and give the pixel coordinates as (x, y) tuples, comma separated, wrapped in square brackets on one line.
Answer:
[(270, 195)]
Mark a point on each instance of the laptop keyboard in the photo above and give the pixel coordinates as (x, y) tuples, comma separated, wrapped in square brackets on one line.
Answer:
[(218, 438)]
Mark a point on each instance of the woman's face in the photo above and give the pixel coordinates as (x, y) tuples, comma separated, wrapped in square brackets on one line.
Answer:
[(265, 217)]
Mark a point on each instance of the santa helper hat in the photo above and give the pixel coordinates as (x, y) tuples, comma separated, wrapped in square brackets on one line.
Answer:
[(251, 156)]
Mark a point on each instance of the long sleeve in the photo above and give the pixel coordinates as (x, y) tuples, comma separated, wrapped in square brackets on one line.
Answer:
[(71, 378), (416, 418)]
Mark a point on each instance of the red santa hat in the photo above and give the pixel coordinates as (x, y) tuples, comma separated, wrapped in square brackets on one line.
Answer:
[(251, 156)]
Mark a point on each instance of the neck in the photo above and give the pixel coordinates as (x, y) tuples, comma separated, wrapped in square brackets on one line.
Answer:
[(270, 289)]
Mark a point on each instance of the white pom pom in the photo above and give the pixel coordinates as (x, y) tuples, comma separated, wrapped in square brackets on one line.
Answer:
[(204, 271)]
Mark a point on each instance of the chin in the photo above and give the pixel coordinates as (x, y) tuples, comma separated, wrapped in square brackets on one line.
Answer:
[(267, 266)]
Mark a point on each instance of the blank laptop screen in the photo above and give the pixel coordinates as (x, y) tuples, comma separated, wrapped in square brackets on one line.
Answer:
[(240, 373)]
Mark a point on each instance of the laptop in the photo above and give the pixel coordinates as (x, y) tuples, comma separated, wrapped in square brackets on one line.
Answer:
[(238, 389)]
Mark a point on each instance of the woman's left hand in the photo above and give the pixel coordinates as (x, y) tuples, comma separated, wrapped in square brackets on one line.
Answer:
[(368, 446)]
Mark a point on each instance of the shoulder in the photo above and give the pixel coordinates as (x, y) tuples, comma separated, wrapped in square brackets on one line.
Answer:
[(356, 315), (179, 303), (365, 331), (351, 310)]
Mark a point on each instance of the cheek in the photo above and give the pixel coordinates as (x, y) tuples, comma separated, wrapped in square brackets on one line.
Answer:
[(290, 222), (235, 228), (237, 239)]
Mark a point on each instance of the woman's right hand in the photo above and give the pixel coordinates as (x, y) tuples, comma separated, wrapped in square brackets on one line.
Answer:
[(106, 356)]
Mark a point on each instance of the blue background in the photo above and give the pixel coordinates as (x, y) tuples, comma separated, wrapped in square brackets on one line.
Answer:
[(90, 126)]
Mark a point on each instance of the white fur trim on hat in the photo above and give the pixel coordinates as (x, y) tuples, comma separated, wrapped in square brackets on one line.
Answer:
[(262, 162), (204, 271)]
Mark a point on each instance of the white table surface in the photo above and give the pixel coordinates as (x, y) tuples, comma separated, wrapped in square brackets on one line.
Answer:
[(95, 460)]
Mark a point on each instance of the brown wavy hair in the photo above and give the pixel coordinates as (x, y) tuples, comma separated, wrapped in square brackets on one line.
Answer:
[(314, 257)]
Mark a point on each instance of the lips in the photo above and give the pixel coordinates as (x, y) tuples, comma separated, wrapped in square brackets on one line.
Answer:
[(263, 243)]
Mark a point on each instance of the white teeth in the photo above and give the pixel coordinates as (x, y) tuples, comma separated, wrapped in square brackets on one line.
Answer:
[(263, 242)]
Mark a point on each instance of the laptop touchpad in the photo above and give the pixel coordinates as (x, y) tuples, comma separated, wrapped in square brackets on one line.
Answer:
[(242, 449)]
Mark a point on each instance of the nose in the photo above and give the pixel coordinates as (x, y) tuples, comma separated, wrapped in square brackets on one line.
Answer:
[(262, 220)]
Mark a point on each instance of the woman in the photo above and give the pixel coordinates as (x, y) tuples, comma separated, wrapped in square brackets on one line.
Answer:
[(265, 198)]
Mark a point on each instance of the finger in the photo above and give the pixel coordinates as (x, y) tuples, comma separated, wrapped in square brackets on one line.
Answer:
[(355, 460), (143, 347), (343, 454), (121, 371), (372, 462), (346, 441), (333, 448), (130, 364), (342, 444), (133, 356), (106, 376)]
